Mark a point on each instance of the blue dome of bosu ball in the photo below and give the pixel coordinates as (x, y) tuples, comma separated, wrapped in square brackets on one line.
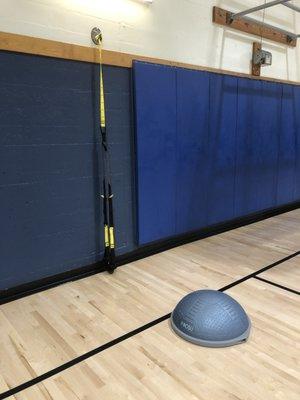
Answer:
[(211, 318)]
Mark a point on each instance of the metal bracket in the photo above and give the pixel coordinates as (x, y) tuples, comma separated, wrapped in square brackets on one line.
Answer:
[(229, 18), (262, 57), (96, 36)]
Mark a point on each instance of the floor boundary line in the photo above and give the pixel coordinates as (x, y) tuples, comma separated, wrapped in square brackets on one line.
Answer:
[(277, 285), (260, 271), (105, 346)]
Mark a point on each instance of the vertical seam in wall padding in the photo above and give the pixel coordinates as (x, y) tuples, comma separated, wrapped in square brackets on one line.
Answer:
[(236, 150), (176, 154), (279, 140), (296, 143), (176, 148), (136, 155), (207, 149), (280, 133), (210, 145), (135, 152), (134, 158)]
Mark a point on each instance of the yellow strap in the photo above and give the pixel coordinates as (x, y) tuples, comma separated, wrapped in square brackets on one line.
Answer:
[(102, 98)]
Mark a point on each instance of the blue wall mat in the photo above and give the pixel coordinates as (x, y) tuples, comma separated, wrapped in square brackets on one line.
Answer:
[(222, 148), (233, 151), (297, 117), (258, 127), (50, 209), (287, 148), (155, 96), (192, 147)]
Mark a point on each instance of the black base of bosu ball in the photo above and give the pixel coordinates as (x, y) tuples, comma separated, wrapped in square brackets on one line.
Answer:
[(211, 318)]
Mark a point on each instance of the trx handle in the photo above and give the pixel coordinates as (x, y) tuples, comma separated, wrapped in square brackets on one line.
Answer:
[(111, 221), (106, 257)]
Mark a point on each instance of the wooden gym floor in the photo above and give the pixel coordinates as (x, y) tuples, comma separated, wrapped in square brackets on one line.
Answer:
[(108, 336)]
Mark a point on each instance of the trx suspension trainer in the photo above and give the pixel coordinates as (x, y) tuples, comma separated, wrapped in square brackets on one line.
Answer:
[(107, 196)]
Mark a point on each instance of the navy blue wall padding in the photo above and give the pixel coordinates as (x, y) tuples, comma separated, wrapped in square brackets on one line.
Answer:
[(50, 209), (222, 148), (287, 156), (258, 130), (191, 150), (156, 149), (235, 144)]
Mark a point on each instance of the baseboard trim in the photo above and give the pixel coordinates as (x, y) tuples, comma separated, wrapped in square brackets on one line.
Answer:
[(40, 285)]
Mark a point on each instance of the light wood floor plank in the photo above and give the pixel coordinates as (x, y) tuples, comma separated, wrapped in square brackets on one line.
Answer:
[(287, 274), (45, 330), (158, 365)]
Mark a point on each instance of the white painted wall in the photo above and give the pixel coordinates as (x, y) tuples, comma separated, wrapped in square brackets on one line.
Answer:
[(179, 30)]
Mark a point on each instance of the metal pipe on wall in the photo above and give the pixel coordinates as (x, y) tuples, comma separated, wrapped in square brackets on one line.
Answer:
[(263, 24), (285, 3), (292, 6), (258, 8)]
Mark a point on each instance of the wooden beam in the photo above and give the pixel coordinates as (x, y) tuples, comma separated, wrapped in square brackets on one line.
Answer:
[(50, 48), (44, 47), (222, 17)]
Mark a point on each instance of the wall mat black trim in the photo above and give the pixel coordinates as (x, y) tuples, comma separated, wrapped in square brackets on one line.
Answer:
[(30, 288), (126, 336)]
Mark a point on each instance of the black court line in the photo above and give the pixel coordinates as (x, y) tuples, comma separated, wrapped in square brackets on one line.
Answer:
[(277, 285), (245, 278), (83, 357)]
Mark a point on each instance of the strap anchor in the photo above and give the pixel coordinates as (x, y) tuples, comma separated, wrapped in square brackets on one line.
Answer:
[(96, 36)]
